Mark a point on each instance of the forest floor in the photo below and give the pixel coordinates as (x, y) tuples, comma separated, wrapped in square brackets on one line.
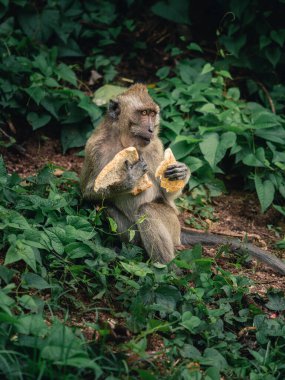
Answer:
[(236, 214)]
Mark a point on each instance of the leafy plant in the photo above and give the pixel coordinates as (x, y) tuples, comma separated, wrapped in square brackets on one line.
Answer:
[(55, 251), (213, 131)]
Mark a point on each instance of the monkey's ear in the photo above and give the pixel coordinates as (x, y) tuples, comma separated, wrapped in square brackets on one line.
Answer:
[(114, 109)]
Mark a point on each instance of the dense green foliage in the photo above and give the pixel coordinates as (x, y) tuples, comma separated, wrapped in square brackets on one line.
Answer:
[(55, 253), (221, 93), (49, 50)]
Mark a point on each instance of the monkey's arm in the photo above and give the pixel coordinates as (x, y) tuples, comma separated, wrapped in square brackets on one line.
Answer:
[(189, 237), (133, 173)]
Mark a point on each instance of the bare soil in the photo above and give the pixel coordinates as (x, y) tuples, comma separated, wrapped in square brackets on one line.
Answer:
[(237, 214)]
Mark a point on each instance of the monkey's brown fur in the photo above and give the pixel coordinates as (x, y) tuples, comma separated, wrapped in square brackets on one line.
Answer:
[(160, 231), (126, 125)]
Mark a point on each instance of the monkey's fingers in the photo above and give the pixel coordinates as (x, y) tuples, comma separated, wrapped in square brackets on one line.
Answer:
[(142, 165), (176, 173), (128, 164)]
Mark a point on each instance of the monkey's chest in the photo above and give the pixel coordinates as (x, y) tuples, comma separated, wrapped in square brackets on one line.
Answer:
[(129, 204)]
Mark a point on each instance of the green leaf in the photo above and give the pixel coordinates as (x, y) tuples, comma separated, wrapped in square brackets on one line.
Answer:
[(113, 224), (37, 93), (190, 322), (107, 92), (77, 250), (264, 41), (213, 357), (167, 297), (278, 36), (132, 234), (3, 174), (207, 69), (276, 301), (66, 73), (273, 54), (33, 304), (21, 251), (38, 121), (140, 269), (276, 134), (72, 136), (163, 72), (32, 280), (265, 192), (234, 93), (207, 108), (173, 10), (209, 148), (195, 47)]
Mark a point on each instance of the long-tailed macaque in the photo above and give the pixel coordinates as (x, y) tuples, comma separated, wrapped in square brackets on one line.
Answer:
[(133, 120)]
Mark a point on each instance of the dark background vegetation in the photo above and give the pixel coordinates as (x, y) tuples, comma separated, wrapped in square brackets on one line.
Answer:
[(216, 68)]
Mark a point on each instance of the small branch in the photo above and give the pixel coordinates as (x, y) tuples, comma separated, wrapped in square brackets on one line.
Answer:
[(272, 106)]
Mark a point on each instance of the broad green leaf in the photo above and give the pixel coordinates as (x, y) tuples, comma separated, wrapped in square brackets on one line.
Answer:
[(167, 296), (234, 93), (190, 322), (195, 47), (207, 69), (3, 173), (207, 108), (77, 250), (163, 72), (32, 280), (31, 325), (209, 148), (72, 136), (276, 134), (113, 224), (107, 92), (66, 73), (273, 55), (213, 357), (132, 234), (38, 121), (265, 192), (172, 10), (278, 36), (140, 270), (183, 146), (21, 251), (31, 303), (194, 163), (276, 301)]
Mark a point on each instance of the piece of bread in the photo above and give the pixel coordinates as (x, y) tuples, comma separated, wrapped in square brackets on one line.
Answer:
[(114, 172), (169, 186)]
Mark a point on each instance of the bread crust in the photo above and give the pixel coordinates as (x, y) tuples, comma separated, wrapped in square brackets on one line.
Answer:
[(114, 172), (169, 186)]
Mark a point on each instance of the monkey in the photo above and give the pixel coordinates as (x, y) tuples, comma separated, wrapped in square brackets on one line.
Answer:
[(133, 120)]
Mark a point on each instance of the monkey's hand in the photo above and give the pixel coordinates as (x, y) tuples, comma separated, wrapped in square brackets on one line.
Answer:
[(177, 171), (135, 171)]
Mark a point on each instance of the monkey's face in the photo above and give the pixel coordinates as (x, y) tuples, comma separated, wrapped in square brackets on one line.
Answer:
[(136, 116), (143, 125)]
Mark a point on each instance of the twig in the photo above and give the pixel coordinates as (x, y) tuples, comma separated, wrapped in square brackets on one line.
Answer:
[(272, 106)]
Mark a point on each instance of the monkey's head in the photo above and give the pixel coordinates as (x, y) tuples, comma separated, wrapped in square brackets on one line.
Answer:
[(137, 116)]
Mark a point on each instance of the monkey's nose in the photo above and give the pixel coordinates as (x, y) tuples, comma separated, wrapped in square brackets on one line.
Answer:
[(150, 129)]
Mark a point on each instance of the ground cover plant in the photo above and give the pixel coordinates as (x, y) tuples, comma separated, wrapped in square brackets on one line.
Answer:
[(74, 302), (204, 320)]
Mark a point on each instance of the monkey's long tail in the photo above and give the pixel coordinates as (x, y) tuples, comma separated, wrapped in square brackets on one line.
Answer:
[(190, 237)]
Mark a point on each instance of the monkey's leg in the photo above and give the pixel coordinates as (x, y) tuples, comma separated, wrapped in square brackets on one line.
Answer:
[(123, 225), (159, 231)]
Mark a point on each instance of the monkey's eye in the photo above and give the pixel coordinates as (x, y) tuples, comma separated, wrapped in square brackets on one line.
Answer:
[(144, 113), (152, 114)]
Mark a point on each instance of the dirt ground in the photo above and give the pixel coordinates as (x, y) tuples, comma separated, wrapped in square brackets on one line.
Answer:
[(237, 214)]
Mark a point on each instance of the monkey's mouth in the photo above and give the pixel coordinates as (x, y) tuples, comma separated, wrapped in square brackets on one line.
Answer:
[(145, 138)]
